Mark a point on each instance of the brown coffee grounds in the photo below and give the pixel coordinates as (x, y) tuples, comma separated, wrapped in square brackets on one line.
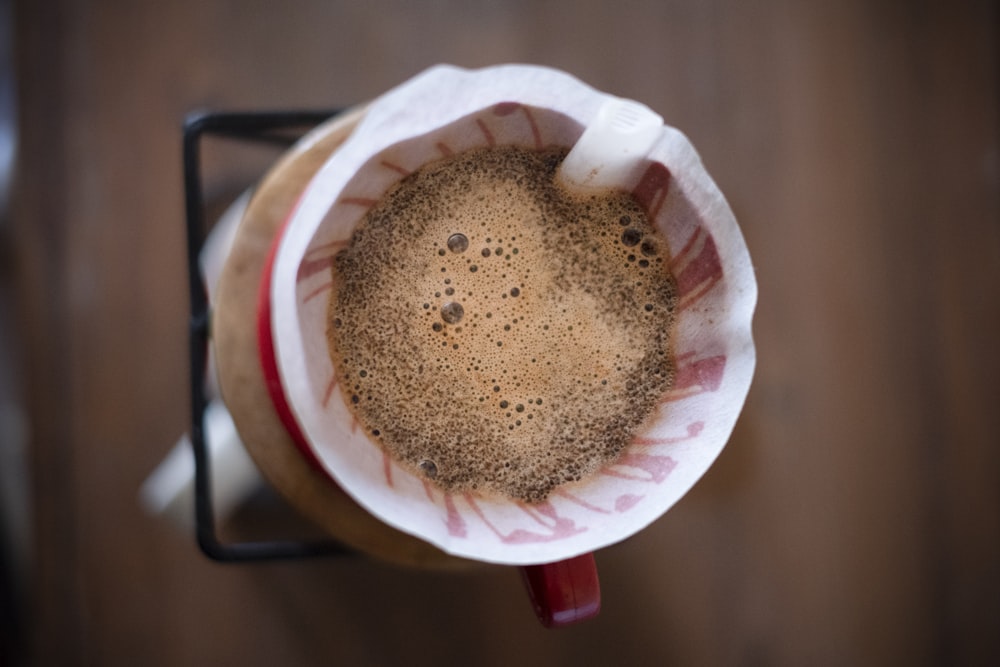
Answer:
[(494, 332)]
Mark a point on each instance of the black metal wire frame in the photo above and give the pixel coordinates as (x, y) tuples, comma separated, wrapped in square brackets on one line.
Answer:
[(281, 128)]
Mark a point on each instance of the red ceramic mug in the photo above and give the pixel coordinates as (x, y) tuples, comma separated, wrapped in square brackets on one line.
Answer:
[(551, 541)]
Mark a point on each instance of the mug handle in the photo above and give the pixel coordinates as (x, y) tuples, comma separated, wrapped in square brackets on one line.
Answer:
[(564, 592)]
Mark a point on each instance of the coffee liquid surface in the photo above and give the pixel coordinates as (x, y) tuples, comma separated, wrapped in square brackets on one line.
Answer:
[(497, 333)]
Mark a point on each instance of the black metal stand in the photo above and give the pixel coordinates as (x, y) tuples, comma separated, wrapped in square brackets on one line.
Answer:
[(282, 128)]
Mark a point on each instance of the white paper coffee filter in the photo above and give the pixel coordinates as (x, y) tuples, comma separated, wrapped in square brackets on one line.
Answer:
[(447, 110)]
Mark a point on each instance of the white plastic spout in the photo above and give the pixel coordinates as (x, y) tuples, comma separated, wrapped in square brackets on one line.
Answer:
[(621, 134)]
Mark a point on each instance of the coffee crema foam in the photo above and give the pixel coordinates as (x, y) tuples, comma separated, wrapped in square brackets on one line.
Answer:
[(495, 332)]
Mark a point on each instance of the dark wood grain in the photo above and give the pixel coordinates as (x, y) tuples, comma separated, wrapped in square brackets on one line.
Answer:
[(853, 519)]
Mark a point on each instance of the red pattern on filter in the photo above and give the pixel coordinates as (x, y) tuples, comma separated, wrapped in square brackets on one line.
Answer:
[(490, 139), (693, 430), (627, 501), (402, 171), (328, 394), (318, 260), (652, 189), (696, 376), (507, 108), (697, 268), (656, 468), (544, 514), (456, 524)]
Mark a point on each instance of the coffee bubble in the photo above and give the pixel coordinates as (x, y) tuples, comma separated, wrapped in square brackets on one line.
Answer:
[(458, 243), (429, 468), (631, 237), (452, 312)]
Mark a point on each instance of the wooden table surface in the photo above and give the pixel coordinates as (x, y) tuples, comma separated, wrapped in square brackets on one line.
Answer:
[(854, 518)]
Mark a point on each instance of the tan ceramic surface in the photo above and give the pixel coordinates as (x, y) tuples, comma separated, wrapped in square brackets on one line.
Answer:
[(241, 378)]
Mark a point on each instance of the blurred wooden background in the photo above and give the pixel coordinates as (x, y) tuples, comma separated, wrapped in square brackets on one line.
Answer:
[(854, 518)]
